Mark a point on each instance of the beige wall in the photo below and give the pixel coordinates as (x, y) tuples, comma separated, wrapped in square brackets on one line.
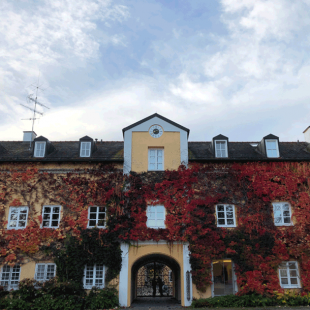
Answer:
[(198, 294), (174, 251), (142, 141)]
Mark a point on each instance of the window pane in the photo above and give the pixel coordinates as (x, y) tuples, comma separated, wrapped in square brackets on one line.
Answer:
[(93, 216), (13, 224), (151, 223), (21, 224), (152, 166), (23, 209), (93, 209), (293, 273), (55, 216), (283, 273), (221, 222), (46, 223), (161, 223), (92, 223), (101, 216), (56, 209), (221, 215), (160, 166), (220, 208), (230, 222), (40, 272), (229, 214), (292, 265), (14, 217), (47, 210), (287, 220), (159, 153), (54, 223), (101, 223), (46, 216), (284, 281), (294, 281)]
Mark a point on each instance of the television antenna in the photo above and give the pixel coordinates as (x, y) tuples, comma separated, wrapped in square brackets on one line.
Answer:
[(33, 98)]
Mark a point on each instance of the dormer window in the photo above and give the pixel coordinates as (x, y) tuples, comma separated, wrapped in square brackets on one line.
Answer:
[(39, 149), (221, 148), (85, 149), (272, 149)]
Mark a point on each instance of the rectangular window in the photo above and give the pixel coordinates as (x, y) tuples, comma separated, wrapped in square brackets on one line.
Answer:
[(51, 216), (96, 217), (39, 150), (225, 215), (18, 217), (272, 148), (282, 214), (94, 276), (85, 149), (288, 274), (45, 272), (155, 217), (221, 148), (10, 277), (156, 159)]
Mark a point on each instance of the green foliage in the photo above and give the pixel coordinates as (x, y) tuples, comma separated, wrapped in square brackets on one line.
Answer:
[(94, 247), (53, 295), (102, 299), (253, 300)]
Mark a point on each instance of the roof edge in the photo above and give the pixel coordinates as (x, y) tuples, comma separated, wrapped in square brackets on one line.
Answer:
[(159, 116)]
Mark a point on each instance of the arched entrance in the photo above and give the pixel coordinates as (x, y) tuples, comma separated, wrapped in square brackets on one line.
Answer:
[(155, 276)]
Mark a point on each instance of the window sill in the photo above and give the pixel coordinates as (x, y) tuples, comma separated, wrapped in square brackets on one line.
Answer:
[(227, 226), (15, 228), (156, 170), (101, 227), (290, 287), (279, 225)]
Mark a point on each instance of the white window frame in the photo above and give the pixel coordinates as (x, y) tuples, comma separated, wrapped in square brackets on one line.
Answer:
[(90, 286), (37, 148), (225, 215), (18, 216), (11, 271), (148, 214), (277, 148), (51, 217), (156, 159), (281, 204), (97, 217), (226, 148), (289, 285), (46, 265), (87, 148)]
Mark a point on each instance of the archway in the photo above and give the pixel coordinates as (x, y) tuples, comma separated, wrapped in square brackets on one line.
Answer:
[(152, 271)]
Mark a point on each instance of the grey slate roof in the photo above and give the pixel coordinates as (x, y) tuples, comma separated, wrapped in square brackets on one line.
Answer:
[(113, 151)]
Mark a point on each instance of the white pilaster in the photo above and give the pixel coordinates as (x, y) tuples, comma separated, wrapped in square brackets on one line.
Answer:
[(123, 276), (187, 267)]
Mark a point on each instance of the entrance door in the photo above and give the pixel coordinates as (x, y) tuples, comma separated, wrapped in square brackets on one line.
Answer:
[(154, 279), (224, 279)]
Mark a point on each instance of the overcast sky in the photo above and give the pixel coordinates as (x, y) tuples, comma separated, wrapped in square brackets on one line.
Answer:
[(236, 67)]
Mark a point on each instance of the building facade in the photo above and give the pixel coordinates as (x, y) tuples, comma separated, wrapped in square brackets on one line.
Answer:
[(192, 219)]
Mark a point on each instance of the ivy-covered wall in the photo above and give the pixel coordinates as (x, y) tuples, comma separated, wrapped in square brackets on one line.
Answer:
[(256, 245)]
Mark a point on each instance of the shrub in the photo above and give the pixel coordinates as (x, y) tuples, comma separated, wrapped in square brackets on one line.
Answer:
[(102, 299), (253, 300)]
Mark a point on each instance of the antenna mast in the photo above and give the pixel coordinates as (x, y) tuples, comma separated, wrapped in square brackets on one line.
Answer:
[(36, 102)]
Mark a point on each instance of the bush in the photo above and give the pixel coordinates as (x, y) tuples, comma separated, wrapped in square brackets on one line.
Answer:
[(51, 295), (102, 299), (253, 300)]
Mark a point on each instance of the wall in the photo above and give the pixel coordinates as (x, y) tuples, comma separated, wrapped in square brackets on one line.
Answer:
[(141, 141)]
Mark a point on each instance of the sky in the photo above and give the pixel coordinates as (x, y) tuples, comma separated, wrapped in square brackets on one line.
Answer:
[(240, 68)]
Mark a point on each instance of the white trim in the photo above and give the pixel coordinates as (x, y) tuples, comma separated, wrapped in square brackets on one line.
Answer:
[(226, 148), (10, 272), (187, 267), (144, 127), (38, 149), (156, 219), (51, 216), (123, 277), (289, 285), (94, 276), (281, 205), (86, 150), (277, 147), (45, 271), (225, 216), (17, 217), (97, 217), (156, 159)]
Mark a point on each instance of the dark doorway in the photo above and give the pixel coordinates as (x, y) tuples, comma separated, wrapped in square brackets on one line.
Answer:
[(156, 277)]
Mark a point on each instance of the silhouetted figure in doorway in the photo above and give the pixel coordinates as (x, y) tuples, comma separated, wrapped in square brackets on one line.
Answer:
[(160, 285)]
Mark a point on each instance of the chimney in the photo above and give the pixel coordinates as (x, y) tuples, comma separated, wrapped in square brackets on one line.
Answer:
[(29, 136)]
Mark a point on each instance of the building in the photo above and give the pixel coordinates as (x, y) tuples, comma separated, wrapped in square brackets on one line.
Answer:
[(163, 239)]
